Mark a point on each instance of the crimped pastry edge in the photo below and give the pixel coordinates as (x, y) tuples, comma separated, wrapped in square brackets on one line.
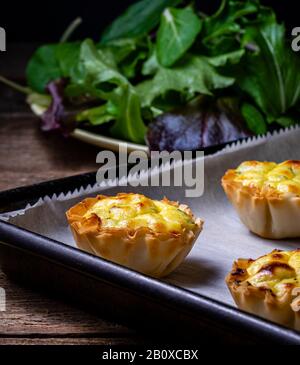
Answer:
[(268, 216), (284, 310), (153, 253)]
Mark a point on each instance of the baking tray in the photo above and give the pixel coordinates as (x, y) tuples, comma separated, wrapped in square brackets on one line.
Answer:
[(116, 292), (202, 311)]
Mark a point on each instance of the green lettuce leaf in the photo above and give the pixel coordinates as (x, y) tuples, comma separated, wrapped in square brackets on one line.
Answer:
[(271, 75), (287, 120), (128, 53), (51, 62), (128, 123), (176, 34), (67, 55), (99, 76), (42, 68), (97, 115), (226, 22), (96, 73), (254, 119), (194, 74), (230, 58), (137, 20)]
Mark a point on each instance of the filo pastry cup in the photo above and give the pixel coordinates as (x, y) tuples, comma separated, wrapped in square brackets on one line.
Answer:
[(149, 236), (268, 287), (266, 197)]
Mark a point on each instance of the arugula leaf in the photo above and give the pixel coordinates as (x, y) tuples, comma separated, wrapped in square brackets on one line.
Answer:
[(176, 34), (42, 68), (96, 116), (271, 75), (226, 58), (129, 66), (226, 21), (129, 123), (100, 77), (137, 20), (121, 48), (194, 74), (254, 119), (95, 71), (151, 65), (129, 53)]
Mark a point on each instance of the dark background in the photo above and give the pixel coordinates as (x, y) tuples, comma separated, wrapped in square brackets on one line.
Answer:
[(45, 21)]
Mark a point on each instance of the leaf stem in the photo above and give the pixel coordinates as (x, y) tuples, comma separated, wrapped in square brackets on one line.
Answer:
[(14, 85), (71, 28)]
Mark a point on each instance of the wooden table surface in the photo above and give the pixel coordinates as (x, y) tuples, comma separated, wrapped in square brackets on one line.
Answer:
[(29, 156)]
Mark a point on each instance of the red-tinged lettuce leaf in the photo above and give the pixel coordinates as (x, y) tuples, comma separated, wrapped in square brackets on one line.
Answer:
[(53, 118), (195, 128)]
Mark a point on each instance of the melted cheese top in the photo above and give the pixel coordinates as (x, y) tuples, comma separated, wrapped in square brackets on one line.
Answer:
[(277, 271), (269, 177), (135, 211)]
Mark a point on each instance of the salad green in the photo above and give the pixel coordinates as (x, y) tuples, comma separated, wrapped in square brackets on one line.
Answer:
[(161, 54), (177, 32)]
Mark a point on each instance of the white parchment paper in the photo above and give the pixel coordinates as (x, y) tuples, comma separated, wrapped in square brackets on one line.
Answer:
[(224, 237)]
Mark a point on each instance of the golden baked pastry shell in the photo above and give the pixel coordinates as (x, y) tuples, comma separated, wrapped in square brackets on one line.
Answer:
[(260, 301), (273, 216), (153, 253)]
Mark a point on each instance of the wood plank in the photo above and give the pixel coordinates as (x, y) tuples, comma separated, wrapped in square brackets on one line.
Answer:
[(31, 156), (70, 341)]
